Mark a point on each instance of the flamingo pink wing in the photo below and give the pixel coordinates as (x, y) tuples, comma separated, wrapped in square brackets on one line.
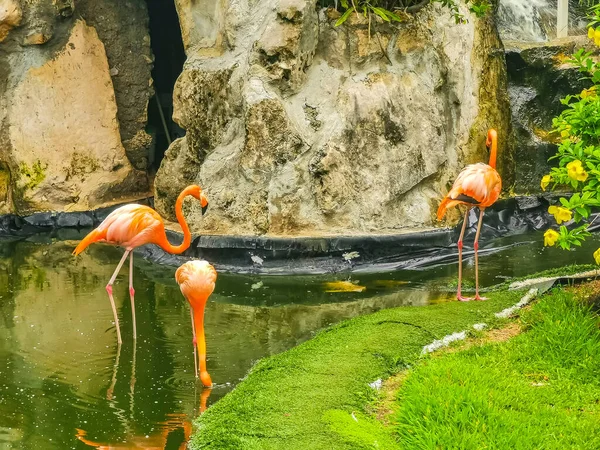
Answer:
[(131, 225), (479, 182)]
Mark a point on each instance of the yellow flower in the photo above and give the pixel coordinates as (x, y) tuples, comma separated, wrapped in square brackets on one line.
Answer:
[(597, 256), (564, 133), (575, 171), (546, 179), (591, 33), (591, 92), (584, 93), (560, 214), (550, 238)]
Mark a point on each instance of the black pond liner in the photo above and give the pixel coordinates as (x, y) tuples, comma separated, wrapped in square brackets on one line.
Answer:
[(311, 255)]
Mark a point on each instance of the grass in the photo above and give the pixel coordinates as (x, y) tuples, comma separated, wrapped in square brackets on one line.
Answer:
[(556, 272), (314, 396), (540, 389)]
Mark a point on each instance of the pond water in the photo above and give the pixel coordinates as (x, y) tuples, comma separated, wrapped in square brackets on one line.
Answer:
[(64, 384)]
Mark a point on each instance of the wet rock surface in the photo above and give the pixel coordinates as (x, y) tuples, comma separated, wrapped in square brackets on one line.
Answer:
[(538, 78)]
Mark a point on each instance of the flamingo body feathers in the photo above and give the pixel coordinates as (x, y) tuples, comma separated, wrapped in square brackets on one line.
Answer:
[(129, 226), (476, 185)]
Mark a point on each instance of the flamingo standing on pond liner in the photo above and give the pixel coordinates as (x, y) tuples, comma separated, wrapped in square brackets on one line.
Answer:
[(196, 280), (477, 185), (131, 226)]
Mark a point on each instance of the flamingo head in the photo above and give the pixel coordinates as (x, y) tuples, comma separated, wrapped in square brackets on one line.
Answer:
[(196, 191), (491, 137), (196, 279)]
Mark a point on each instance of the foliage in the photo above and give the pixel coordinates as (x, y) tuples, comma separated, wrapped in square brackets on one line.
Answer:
[(589, 3), (393, 10), (538, 390), (578, 155)]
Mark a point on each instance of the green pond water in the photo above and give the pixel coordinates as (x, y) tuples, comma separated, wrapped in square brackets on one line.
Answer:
[(64, 384)]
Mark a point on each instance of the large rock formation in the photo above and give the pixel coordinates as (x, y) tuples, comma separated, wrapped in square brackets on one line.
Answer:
[(62, 131), (295, 126)]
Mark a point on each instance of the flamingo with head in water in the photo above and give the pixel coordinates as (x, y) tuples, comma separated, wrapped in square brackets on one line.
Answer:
[(477, 185), (131, 226), (196, 280)]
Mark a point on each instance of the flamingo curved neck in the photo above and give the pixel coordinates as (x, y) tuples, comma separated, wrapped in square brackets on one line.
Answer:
[(493, 151), (187, 236)]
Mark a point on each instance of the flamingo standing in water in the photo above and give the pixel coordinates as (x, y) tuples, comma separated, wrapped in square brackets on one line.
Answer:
[(477, 185), (131, 226), (196, 280)]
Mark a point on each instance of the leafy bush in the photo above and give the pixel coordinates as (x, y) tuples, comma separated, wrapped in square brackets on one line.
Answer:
[(578, 155)]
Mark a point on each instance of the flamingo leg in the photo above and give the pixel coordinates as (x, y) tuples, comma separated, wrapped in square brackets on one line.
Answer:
[(194, 342), (460, 247), (476, 247), (201, 345), (131, 295), (110, 294)]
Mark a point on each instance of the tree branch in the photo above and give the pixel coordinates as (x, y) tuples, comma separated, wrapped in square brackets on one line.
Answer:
[(418, 7)]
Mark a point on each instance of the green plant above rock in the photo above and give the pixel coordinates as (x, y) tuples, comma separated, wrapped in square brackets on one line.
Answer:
[(396, 10)]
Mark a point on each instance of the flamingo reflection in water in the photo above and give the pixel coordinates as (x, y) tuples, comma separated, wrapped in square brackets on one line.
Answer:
[(155, 441)]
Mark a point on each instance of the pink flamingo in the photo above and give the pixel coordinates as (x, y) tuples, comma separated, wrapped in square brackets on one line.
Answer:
[(477, 185), (133, 225), (196, 280)]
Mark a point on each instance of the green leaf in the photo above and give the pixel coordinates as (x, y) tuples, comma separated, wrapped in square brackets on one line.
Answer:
[(394, 16), (381, 13), (345, 16), (583, 212)]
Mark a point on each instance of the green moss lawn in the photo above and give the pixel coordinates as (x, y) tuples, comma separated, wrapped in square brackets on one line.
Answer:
[(540, 389), (302, 398)]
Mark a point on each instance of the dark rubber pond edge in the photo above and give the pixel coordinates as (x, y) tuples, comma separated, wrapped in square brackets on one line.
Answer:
[(308, 255)]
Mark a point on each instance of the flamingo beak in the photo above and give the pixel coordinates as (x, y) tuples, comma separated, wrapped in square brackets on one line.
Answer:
[(204, 208)]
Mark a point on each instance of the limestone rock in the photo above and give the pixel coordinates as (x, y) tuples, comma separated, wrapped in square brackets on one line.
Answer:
[(300, 127), (287, 46), (73, 119), (201, 25), (64, 8), (37, 38), (10, 16), (270, 140), (204, 102)]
